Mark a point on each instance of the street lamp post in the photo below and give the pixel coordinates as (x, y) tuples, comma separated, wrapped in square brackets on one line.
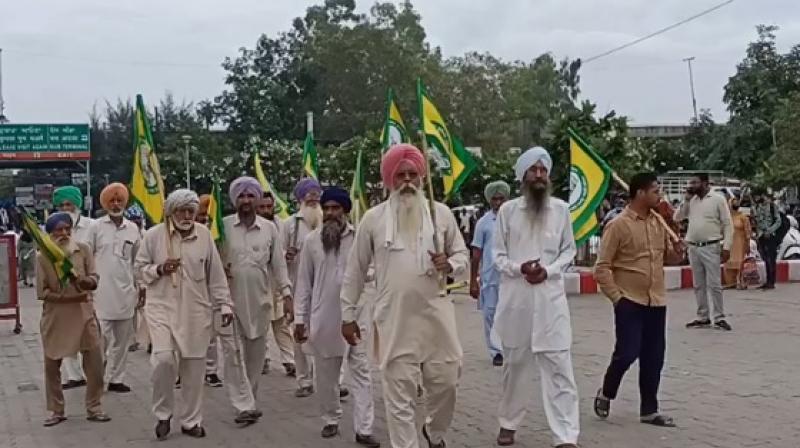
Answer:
[(187, 140)]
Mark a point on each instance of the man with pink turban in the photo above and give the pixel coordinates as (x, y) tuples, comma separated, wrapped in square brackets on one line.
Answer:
[(414, 328), (253, 257), (295, 229), (114, 241)]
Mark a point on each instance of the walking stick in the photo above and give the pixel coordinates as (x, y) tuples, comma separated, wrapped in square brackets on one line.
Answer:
[(437, 246)]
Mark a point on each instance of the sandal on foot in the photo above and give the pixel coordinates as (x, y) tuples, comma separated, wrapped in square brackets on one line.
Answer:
[(659, 420), (505, 437), (602, 405), (53, 420), (98, 418)]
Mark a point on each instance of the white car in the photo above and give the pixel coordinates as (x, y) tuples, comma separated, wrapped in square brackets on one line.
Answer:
[(790, 247)]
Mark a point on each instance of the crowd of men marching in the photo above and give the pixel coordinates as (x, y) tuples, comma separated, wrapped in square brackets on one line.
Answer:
[(335, 295)]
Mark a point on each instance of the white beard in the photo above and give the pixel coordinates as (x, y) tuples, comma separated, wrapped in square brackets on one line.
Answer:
[(115, 214), (311, 215), (182, 226), (407, 209), (75, 217)]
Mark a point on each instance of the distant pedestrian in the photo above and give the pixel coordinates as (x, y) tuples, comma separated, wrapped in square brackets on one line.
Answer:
[(709, 236), (740, 249), (768, 234)]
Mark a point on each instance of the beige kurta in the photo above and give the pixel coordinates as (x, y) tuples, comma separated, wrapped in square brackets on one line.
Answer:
[(256, 261), (114, 249), (295, 230), (277, 297), (182, 312), (410, 318), (66, 328), (316, 302)]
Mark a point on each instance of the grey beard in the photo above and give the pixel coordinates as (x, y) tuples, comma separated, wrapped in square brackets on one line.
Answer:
[(332, 235), (535, 198)]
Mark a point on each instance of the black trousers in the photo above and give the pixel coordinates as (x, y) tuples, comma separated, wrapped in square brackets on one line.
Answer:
[(641, 335), (768, 248)]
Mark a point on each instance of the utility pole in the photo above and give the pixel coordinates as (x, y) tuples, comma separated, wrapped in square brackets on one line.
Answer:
[(187, 140), (3, 119), (691, 86)]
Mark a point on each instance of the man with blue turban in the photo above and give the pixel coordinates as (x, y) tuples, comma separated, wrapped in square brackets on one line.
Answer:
[(318, 319), (533, 245), (496, 193), (68, 323), (253, 256), (69, 199), (307, 192)]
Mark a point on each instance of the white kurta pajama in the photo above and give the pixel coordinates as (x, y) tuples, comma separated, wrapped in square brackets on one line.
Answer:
[(407, 316), (180, 317), (533, 321), (255, 260), (318, 306), (71, 369), (280, 327), (117, 291), (294, 232)]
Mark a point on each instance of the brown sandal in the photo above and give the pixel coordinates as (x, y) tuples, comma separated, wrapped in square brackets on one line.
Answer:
[(53, 420), (98, 418), (506, 437)]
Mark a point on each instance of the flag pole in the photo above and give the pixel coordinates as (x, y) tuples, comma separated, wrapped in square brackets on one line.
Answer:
[(672, 236), (170, 251), (432, 206)]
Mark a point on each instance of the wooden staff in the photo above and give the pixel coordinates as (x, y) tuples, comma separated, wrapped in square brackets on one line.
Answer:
[(672, 236), (170, 251), (437, 246)]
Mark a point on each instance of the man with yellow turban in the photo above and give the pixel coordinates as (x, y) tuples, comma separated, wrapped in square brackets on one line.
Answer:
[(415, 329), (496, 193), (69, 199), (114, 241)]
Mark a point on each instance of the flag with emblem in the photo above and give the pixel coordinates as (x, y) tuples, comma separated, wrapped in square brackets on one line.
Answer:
[(453, 161), (358, 192), (215, 214), (310, 167), (589, 177), (48, 247), (147, 186), (394, 130), (281, 208)]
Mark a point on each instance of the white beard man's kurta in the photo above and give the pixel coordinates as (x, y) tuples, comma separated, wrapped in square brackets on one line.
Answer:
[(533, 321), (180, 317), (415, 329), (295, 230), (71, 369), (117, 292), (278, 322), (318, 306), (255, 260)]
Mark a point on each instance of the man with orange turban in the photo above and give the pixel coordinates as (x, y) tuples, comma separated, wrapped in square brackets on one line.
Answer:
[(397, 236), (114, 241)]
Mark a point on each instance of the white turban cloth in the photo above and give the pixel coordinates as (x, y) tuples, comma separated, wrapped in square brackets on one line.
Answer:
[(180, 198), (529, 158)]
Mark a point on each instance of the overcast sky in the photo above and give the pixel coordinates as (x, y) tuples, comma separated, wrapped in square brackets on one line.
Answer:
[(61, 57)]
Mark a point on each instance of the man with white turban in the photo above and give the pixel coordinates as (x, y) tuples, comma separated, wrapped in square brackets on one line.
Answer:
[(114, 241), (414, 328), (307, 192), (185, 280), (69, 199), (496, 194), (254, 259), (533, 245)]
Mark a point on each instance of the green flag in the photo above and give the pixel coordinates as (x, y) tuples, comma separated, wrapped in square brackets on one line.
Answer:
[(310, 167), (48, 247), (589, 178), (453, 161), (394, 130), (147, 186), (358, 192)]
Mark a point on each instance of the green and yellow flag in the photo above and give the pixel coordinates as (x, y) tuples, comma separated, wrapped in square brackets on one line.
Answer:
[(310, 167), (453, 161), (281, 208), (147, 186), (589, 178), (48, 247), (394, 130), (215, 214), (358, 193)]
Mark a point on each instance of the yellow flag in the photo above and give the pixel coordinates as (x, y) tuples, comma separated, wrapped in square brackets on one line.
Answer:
[(147, 186), (281, 208), (588, 180)]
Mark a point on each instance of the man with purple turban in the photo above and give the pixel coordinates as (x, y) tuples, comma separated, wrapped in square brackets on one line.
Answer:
[(254, 259), (185, 279), (414, 329), (295, 229), (318, 319), (114, 241)]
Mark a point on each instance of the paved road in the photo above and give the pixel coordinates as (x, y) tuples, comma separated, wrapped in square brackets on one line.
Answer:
[(738, 389)]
